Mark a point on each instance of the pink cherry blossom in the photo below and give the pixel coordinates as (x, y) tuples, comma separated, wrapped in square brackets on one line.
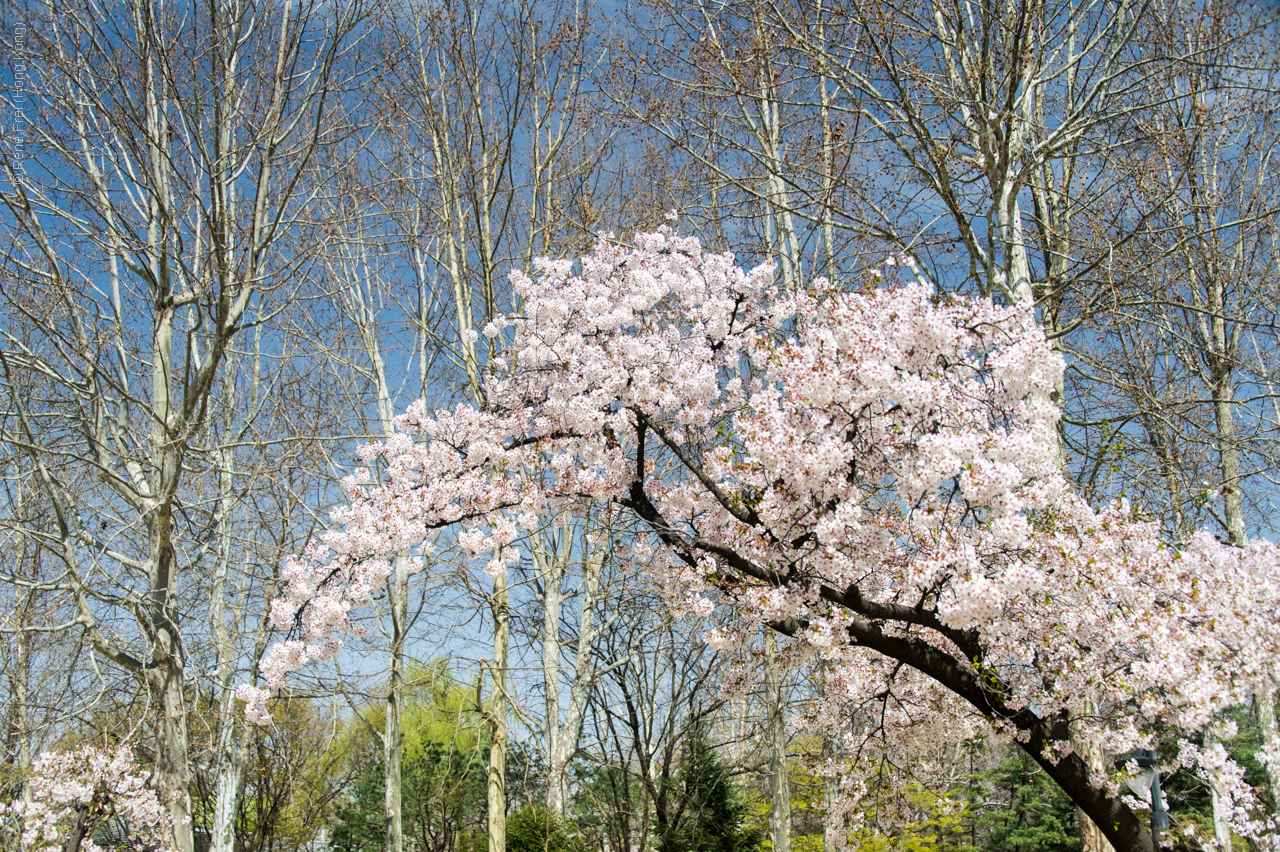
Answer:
[(107, 783), (873, 471)]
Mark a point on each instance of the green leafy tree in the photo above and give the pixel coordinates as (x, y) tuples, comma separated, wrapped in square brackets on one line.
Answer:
[(445, 754), (535, 829), (1037, 817), (710, 816), (936, 824), (609, 807)]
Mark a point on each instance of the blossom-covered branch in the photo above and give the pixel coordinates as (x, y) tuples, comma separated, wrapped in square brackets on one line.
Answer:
[(874, 472), (75, 793)]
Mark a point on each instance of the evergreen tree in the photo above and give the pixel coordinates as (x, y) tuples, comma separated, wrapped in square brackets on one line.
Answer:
[(535, 829), (1039, 816), (710, 814)]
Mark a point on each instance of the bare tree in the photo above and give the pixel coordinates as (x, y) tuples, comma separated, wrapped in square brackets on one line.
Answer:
[(1186, 378), (168, 151), (496, 156)]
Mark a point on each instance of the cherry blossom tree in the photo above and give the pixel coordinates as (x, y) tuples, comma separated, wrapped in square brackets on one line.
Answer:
[(73, 793), (874, 473)]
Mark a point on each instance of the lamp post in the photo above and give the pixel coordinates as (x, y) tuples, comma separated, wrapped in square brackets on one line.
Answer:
[(1147, 784)]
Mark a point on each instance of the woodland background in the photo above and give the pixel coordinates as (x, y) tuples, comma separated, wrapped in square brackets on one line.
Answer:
[(237, 237)]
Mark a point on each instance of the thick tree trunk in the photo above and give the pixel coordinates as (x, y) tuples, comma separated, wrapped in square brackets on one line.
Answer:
[(1264, 708), (229, 753), (1091, 837), (1221, 827), (18, 674), (497, 712), (231, 761), (21, 732), (77, 831), (1221, 361), (1229, 459), (165, 675), (393, 736), (1008, 213), (553, 558), (172, 771), (779, 789)]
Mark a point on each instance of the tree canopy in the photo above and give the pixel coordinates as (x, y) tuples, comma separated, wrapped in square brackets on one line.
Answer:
[(873, 471)]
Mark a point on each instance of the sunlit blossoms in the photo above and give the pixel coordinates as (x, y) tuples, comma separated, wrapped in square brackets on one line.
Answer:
[(874, 472), (78, 791)]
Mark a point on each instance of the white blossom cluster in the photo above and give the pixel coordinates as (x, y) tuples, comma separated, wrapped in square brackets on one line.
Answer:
[(881, 460), (107, 783)]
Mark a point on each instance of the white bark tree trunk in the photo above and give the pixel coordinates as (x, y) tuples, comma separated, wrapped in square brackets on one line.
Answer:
[(1221, 827), (779, 787), (551, 556), (1264, 709), (393, 736), (497, 714), (562, 727), (231, 763), (229, 753)]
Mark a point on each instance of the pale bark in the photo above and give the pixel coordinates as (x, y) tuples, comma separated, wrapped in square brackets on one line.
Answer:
[(1264, 709), (553, 565), (497, 715), (162, 261), (776, 735), (1221, 826), (1222, 387), (393, 736), (21, 716), (1220, 338), (228, 750), (231, 762), (553, 551), (18, 672)]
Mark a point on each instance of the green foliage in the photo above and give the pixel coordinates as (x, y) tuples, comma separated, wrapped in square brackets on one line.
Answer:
[(710, 814), (1012, 807), (936, 822), (443, 801), (609, 806), (1036, 817), (292, 778), (535, 829), (526, 775), (808, 797), (359, 818)]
